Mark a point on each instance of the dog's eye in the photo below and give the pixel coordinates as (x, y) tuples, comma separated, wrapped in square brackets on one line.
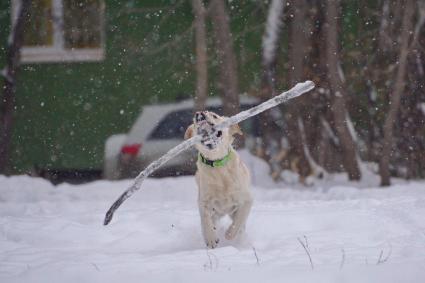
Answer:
[(219, 133), (215, 116)]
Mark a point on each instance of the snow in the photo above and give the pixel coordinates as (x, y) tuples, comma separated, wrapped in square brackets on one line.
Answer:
[(56, 232)]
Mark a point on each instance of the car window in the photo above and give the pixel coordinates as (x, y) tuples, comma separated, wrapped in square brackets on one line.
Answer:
[(173, 125)]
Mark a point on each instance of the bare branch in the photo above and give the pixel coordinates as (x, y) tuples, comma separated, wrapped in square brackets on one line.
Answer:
[(95, 266), (383, 260), (256, 256), (306, 241), (341, 265), (209, 264), (306, 250), (380, 257)]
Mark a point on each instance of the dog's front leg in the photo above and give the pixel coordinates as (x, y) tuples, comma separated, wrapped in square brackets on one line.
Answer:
[(208, 225), (239, 219)]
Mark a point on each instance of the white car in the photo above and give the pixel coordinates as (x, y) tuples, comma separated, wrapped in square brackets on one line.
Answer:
[(158, 129)]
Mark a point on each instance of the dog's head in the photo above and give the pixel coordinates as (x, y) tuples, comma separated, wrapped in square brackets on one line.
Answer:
[(220, 141)]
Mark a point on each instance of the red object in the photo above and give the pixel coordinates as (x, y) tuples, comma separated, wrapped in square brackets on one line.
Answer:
[(132, 149)]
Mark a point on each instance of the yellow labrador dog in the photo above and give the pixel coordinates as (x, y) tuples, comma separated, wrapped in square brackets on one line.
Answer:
[(222, 178)]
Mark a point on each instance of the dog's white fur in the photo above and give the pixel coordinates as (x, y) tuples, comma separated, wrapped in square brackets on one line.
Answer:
[(222, 190)]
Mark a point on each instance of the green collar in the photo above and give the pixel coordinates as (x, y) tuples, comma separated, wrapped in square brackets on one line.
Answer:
[(215, 163)]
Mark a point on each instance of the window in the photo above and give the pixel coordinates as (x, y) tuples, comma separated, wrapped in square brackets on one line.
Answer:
[(173, 125), (63, 31)]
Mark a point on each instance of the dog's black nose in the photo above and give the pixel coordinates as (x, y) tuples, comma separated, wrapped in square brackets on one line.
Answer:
[(199, 116)]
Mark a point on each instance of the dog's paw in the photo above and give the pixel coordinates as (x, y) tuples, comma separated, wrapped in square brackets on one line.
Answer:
[(231, 233), (212, 243)]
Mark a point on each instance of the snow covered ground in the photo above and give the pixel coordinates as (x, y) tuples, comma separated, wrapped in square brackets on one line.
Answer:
[(353, 232)]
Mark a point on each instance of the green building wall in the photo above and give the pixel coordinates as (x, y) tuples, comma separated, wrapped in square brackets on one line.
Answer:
[(65, 112)]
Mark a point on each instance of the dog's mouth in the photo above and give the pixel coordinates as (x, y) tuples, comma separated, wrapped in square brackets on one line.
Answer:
[(202, 122), (210, 137), (200, 117)]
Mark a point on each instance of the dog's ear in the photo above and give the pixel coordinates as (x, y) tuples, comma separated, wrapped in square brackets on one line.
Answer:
[(235, 129), (189, 132)]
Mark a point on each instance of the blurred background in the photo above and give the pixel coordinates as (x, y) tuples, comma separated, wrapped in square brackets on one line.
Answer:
[(99, 88)]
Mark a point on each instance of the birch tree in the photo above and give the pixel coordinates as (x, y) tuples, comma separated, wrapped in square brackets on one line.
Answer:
[(270, 44)]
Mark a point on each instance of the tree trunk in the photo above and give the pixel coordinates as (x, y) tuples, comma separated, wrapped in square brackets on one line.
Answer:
[(297, 51), (339, 110), (395, 96), (9, 86), (226, 58), (271, 135), (201, 93)]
